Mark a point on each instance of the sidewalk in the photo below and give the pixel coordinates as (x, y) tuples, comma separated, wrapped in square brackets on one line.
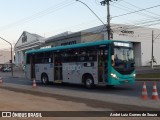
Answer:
[(147, 69)]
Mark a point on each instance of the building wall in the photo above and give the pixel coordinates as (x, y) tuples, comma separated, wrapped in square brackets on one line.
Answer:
[(140, 36), (26, 38), (71, 40), (137, 52), (27, 41), (156, 51), (144, 36), (74, 38), (5, 56), (19, 57), (91, 37)]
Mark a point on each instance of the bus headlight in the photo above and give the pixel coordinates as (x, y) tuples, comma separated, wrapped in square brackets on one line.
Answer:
[(134, 75), (114, 75)]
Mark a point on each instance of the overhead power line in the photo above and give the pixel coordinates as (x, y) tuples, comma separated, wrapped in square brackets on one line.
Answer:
[(139, 8), (39, 14), (136, 11), (152, 16), (125, 8)]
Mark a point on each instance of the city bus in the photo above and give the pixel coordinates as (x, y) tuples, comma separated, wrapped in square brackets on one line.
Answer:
[(104, 62)]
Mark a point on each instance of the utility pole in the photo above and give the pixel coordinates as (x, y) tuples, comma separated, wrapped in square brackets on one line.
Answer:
[(152, 60), (104, 2)]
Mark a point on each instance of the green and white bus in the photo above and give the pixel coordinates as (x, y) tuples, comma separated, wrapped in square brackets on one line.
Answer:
[(105, 62)]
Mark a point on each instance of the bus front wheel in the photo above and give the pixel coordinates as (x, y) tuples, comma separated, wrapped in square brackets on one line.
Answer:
[(89, 83), (44, 79)]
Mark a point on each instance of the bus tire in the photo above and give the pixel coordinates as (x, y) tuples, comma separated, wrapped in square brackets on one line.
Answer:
[(88, 82), (44, 79)]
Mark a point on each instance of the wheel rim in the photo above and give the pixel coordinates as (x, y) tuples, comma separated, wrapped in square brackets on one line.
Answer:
[(88, 82), (44, 80)]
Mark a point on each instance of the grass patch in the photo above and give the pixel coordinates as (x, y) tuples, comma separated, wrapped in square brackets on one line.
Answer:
[(148, 75)]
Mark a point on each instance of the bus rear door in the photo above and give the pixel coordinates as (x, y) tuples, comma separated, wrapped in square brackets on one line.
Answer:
[(57, 68)]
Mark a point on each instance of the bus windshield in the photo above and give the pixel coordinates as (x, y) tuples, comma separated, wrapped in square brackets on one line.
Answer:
[(123, 59), (123, 54)]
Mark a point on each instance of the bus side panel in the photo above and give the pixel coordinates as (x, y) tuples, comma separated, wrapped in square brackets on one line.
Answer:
[(92, 69), (27, 71), (73, 72), (44, 68), (69, 71)]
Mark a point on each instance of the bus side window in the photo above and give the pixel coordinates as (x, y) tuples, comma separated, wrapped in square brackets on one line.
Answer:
[(49, 60), (90, 58), (57, 58), (82, 58), (69, 55), (44, 57)]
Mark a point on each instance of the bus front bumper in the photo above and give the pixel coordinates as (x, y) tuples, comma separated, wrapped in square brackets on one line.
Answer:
[(118, 79)]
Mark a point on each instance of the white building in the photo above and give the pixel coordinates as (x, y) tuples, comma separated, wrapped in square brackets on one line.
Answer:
[(141, 37), (5, 56), (27, 41)]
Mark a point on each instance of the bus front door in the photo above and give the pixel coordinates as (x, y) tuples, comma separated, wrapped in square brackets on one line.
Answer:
[(102, 66)]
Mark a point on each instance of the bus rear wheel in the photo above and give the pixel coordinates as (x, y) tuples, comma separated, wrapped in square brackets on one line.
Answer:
[(44, 79), (89, 83)]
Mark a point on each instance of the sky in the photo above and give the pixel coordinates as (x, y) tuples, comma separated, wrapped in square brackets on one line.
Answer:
[(50, 17)]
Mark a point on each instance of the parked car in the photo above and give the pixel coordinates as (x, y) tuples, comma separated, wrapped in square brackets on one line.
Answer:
[(7, 69)]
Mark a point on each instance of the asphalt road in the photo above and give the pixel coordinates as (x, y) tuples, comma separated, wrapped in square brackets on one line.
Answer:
[(134, 90), (118, 98)]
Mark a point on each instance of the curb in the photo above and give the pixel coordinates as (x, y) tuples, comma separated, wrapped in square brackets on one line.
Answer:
[(147, 79), (137, 79)]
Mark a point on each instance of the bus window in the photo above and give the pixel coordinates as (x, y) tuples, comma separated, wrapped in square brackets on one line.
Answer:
[(44, 57), (87, 54), (58, 58), (50, 59), (69, 55)]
